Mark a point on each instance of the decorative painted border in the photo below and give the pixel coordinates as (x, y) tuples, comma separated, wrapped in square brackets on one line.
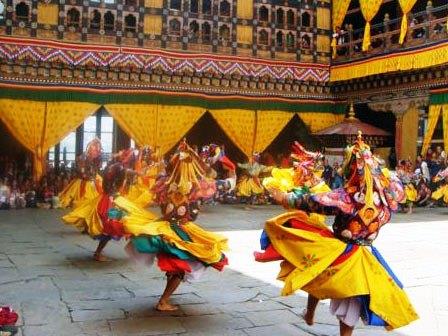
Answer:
[(117, 96), (13, 49), (439, 96)]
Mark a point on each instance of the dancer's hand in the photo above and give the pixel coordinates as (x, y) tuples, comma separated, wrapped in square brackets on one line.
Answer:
[(277, 195)]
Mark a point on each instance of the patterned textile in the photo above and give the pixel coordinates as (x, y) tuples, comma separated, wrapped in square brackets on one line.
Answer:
[(155, 125), (12, 49)]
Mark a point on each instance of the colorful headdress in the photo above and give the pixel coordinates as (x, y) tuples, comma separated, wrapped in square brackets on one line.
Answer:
[(367, 182), (302, 175), (93, 149), (177, 192)]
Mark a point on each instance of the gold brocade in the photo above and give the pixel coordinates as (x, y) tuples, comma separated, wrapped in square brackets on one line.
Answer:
[(316, 121), (47, 14), (40, 125), (339, 10), (137, 120), (406, 7), (308, 265), (417, 59), (269, 125), (244, 34), (174, 122), (64, 117), (155, 125), (152, 24), (239, 125), (245, 9), (369, 9), (433, 118)]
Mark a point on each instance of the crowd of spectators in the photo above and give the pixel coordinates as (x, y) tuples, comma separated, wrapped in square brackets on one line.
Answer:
[(18, 189)]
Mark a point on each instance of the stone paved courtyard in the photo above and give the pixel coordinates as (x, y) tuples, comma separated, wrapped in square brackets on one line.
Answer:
[(48, 276)]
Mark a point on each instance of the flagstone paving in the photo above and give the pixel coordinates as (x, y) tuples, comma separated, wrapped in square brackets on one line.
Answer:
[(48, 276)]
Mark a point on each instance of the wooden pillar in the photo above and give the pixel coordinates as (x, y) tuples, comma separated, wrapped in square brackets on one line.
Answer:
[(406, 131)]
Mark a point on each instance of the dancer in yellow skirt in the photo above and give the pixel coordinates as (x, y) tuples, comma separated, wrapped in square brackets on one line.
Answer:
[(101, 217), (249, 186), (406, 175), (342, 264), (87, 184), (442, 191), (149, 165), (183, 249)]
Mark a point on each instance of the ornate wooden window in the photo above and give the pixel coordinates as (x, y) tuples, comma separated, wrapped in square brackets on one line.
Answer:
[(306, 19), (206, 6), (194, 6), (174, 27), (22, 12), (95, 20), (73, 17), (224, 33), (290, 19), (206, 32), (193, 32), (263, 14), (109, 21), (132, 3), (176, 4), (280, 17), (263, 37), (224, 8), (130, 23), (279, 39), (306, 42), (290, 41)]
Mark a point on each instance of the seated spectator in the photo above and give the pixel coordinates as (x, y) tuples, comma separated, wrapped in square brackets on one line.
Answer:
[(17, 197), (338, 180), (5, 194)]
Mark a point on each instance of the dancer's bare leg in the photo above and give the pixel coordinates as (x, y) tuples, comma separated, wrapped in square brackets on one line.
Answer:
[(173, 281), (98, 255), (345, 330), (308, 314)]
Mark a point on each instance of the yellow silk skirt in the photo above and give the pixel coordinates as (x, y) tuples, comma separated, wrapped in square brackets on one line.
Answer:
[(441, 192), (308, 258), (72, 193), (204, 245), (411, 193), (249, 186), (85, 216), (140, 194)]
